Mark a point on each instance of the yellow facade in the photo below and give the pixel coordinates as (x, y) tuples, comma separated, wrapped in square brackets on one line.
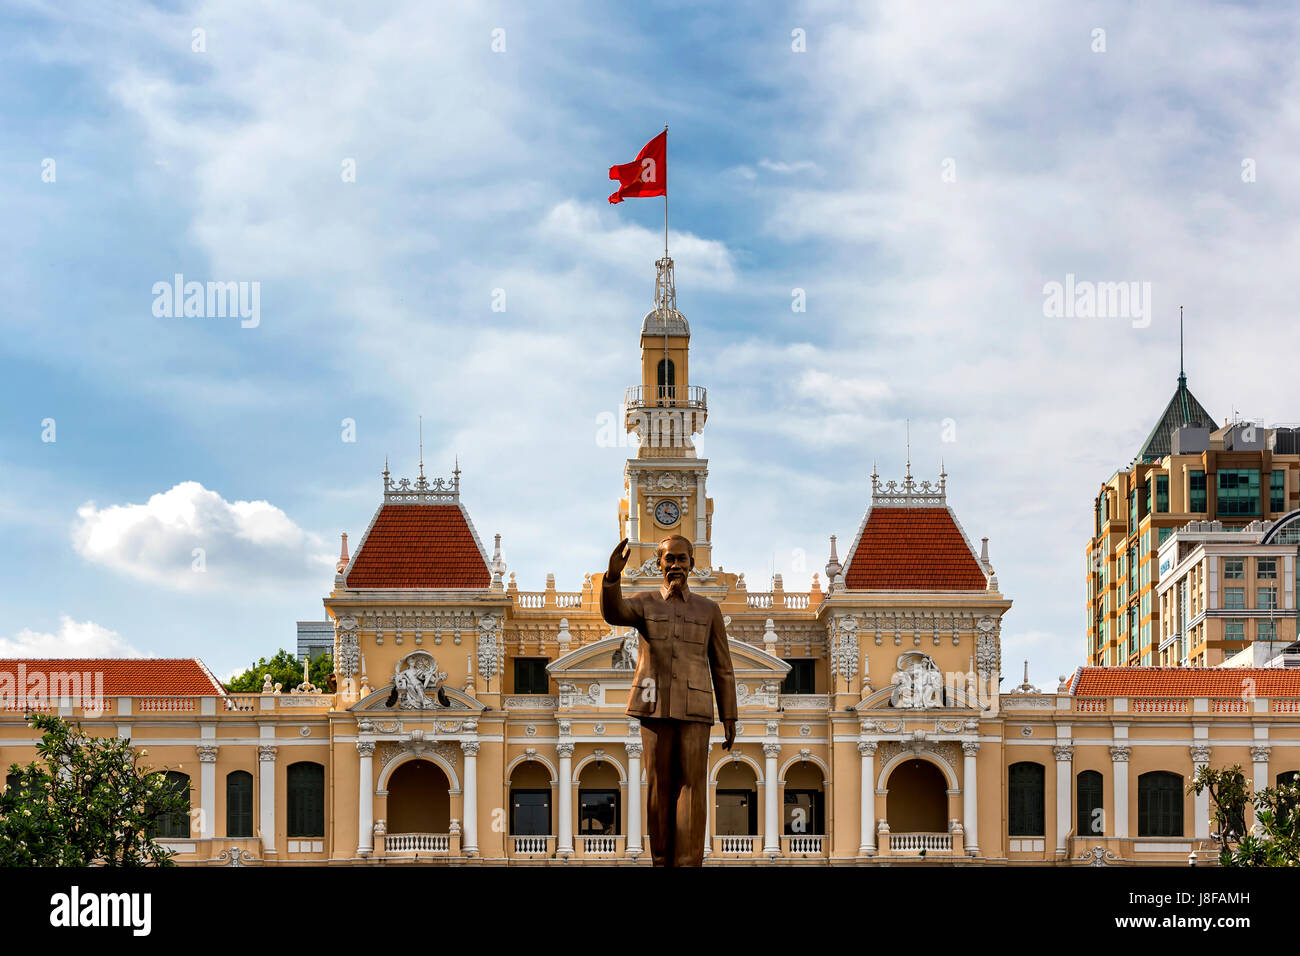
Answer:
[(896, 744)]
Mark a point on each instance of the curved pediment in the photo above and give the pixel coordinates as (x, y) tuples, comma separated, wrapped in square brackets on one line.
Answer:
[(460, 701), (951, 698), (599, 659)]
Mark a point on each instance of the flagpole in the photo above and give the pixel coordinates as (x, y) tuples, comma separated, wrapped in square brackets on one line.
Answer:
[(665, 191)]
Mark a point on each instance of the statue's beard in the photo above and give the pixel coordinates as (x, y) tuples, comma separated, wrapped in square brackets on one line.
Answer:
[(676, 579)]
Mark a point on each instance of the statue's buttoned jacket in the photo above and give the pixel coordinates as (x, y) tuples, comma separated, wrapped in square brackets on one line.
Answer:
[(683, 659)]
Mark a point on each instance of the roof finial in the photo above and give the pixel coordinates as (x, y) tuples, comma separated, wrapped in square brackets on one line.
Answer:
[(456, 474), (1182, 375), (421, 446), (907, 423)]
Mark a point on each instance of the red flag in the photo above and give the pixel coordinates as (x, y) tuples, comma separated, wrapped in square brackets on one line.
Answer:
[(647, 175)]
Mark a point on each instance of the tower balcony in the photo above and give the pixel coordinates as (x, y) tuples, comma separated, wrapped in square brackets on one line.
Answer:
[(667, 396), (665, 417)]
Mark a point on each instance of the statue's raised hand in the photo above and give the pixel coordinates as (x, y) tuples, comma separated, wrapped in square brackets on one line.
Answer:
[(617, 561)]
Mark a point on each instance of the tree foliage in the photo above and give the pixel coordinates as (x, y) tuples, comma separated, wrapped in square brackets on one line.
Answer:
[(285, 670), (86, 801), (1277, 812)]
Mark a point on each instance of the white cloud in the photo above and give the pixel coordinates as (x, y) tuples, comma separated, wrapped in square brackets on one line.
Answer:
[(190, 538), (73, 639), (786, 169)]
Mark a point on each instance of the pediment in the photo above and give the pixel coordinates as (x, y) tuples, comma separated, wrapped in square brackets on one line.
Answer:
[(598, 660), (461, 703), (954, 699)]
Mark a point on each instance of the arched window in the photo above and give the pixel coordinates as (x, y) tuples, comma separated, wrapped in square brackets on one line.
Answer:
[(306, 800), (239, 804), (1025, 798), (667, 381), (1091, 820), (1160, 804), (175, 825)]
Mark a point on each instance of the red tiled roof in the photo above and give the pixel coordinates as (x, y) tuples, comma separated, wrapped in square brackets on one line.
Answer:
[(122, 677), (1185, 682), (912, 549), (419, 546)]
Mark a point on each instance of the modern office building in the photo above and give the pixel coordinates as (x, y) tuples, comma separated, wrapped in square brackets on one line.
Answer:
[(1187, 470)]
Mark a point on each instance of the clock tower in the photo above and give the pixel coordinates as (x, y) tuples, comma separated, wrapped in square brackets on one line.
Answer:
[(664, 485)]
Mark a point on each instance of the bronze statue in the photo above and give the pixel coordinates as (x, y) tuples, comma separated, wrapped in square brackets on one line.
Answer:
[(683, 652)]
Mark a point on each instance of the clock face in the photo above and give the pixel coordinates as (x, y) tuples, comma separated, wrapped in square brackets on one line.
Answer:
[(667, 513)]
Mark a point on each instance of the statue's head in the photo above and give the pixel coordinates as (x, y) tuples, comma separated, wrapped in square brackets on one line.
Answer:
[(676, 560)]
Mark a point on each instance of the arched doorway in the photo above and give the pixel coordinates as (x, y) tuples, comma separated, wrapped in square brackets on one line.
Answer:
[(530, 804), (917, 801), (736, 812), (805, 812), (419, 799)]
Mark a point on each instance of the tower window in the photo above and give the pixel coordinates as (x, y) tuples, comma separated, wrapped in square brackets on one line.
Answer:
[(667, 381)]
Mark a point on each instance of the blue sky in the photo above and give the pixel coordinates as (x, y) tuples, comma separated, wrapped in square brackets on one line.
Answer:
[(920, 171)]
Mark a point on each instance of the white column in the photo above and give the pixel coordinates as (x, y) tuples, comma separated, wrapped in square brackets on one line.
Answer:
[(1119, 769), (1064, 763), (469, 797), (970, 796), (633, 798), (771, 816), (633, 510), (1260, 780), (366, 799), (867, 807), (207, 789), (565, 810), (701, 518), (711, 801), (1201, 802), (266, 796)]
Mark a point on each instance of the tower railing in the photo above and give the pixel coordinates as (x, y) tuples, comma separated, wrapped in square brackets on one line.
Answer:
[(666, 396)]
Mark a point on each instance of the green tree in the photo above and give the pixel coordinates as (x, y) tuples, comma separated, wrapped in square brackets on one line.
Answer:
[(1276, 810), (85, 801), (284, 669)]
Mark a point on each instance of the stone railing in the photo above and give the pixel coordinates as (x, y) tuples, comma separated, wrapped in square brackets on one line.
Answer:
[(807, 843), (1286, 705), (241, 702), (568, 599), (916, 842), (1090, 705), (166, 705), (544, 845), (530, 599), (1231, 705), (1159, 705), (417, 843), (736, 844), (597, 845)]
